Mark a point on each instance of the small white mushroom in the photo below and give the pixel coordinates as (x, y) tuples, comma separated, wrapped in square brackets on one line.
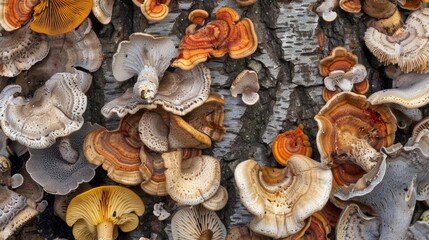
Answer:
[(160, 212), (325, 10), (345, 80), (246, 84)]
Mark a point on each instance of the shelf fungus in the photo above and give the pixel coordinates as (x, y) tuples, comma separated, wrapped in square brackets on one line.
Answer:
[(225, 34), (184, 135), (54, 111), (342, 73), (21, 49), (407, 47), (146, 57), (351, 6), (198, 16), (351, 132), (54, 17), (218, 201), (62, 167), (388, 25), (289, 143), (80, 48), (15, 211), (325, 10), (179, 93), (246, 84), (191, 181), (398, 181), (153, 10), (196, 223), (118, 151), (102, 10), (379, 9), (281, 199), (15, 13), (97, 213), (414, 95)]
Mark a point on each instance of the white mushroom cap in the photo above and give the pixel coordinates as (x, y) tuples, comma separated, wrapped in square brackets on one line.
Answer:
[(153, 131), (281, 199), (246, 84), (191, 223), (325, 10), (191, 181), (102, 10), (218, 201), (55, 110)]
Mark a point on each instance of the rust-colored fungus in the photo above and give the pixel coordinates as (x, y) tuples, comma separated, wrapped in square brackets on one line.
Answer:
[(289, 143)]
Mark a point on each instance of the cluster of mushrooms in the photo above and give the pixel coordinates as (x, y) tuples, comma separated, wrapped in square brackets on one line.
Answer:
[(169, 117)]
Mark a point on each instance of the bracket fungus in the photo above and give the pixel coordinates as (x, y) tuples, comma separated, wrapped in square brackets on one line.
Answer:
[(97, 213), (407, 47), (351, 6), (179, 92), (153, 131), (191, 181), (21, 49), (184, 135), (281, 199), (62, 167), (325, 10), (398, 182), (15, 13), (118, 151), (102, 10), (379, 9), (145, 56), (246, 84), (196, 223), (348, 119), (54, 111), (155, 10), (225, 34), (218, 201), (54, 17), (15, 211), (198, 16), (289, 143)]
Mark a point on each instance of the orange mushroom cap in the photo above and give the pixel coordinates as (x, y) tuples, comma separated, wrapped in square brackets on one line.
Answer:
[(339, 59), (411, 5), (351, 113), (155, 10), (198, 16), (218, 37), (14, 13), (319, 228), (351, 6), (331, 213), (289, 143), (118, 151), (55, 17)]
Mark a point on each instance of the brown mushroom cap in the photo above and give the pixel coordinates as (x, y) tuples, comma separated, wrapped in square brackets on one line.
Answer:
[(118, 151), (379, 8), (281, 199), (20, 50), (54, 17), (54, 111), (98, 212), (152, 170), (191, 181), (195, 222)]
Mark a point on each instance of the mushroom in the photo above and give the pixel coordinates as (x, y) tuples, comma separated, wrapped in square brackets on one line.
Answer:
[(389, 25), (29, 188), (62, 201), (19, 50), (281, 199), (379, 8), (152, 170), (179, 92), (345, 80), (118, 151), (351, 131), (240, 232), (14, 13), (54, 17), (96, 213), (198, 16), (80, 48), (351, 6), (354, 224), (15, 211), (62, 167), (246, 84), (245, 3), (414, 95), (102, 10), (289, 143), (410, 4), (400, 180), (191, 181), (155, 10), (153, 131), (146, 56), (325, 10), (423, 124), (226, 34), (407, 47), (54, 111), (218, 201), (160, 212), (319, 228), (338, 59), (196, 223), (184, 135)]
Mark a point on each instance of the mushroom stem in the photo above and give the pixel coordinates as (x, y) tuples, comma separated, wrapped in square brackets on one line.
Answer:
[(67, 152), (206, 235), (105, 231), (147, 84)]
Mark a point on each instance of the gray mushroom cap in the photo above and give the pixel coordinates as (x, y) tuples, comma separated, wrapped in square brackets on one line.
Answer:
[(57, 175), (406, 179)]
